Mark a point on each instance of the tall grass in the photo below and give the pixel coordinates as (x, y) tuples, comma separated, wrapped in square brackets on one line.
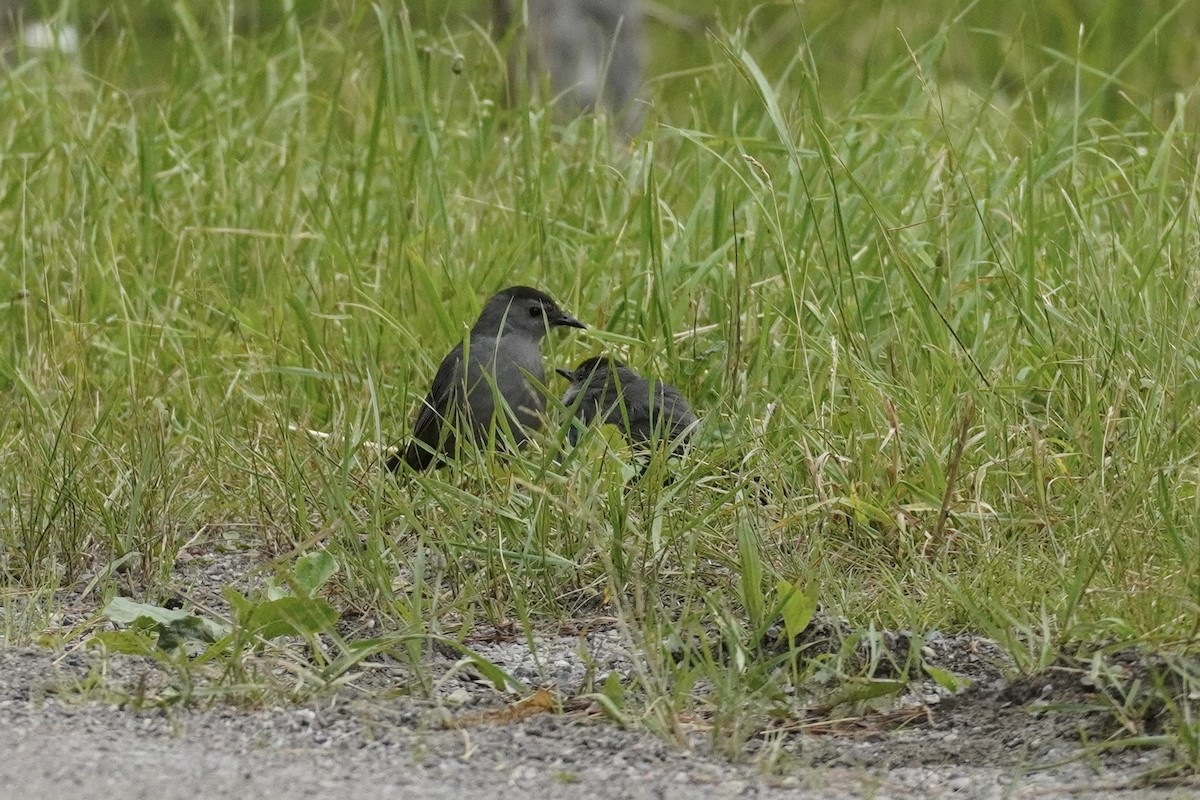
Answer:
[(939, 321)]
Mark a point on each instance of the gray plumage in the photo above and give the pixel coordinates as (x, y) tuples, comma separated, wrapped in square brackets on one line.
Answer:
[(646, 411), (494, 377), (591, 50)]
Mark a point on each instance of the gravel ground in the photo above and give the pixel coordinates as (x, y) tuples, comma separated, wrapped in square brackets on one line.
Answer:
[(69, 728), (58, 746)]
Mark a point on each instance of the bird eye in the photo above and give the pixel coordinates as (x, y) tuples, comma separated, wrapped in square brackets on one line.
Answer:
[(535, 311)]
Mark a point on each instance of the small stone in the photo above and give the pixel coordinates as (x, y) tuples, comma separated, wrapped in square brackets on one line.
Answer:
[(959, 783)]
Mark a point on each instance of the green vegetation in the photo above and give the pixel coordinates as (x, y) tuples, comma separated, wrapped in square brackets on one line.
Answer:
[(935, 294)]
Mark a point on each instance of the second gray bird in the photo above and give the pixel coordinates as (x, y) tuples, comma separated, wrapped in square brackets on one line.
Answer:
[(493, 378), (646, 411)]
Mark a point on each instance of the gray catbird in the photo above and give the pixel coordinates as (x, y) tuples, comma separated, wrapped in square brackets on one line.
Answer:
[(492, 377), (646, 411)]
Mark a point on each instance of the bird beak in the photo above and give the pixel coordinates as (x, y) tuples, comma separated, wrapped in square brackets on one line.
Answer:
[(566, 373), (565, 320)]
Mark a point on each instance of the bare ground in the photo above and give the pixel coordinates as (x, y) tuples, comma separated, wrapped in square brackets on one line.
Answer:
[(81, 725)]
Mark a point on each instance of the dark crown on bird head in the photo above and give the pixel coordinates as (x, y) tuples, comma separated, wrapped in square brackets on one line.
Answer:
[(525, 293), (596, 365)]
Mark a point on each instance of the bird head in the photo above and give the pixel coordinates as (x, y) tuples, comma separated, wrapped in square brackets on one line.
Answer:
[(596, 368), (521, 309)]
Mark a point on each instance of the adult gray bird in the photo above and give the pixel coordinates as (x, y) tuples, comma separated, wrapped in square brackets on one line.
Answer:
[(646, 411), (494, 378)]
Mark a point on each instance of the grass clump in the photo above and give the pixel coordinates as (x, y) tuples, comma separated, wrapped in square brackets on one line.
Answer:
[(939, 327)]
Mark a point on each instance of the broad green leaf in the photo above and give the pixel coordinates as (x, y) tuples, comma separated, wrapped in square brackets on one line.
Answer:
[(797, 604), (173, 626), (273, 589), (313, 570), (174, 634), (291, 616), (124, 611), (129, 642)]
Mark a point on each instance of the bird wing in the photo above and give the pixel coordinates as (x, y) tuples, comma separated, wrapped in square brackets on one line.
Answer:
[(505, 383), (665, 414), (431, 416), (675, 408)]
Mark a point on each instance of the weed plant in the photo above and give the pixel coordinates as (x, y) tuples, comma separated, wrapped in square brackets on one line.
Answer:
[(930, 277)]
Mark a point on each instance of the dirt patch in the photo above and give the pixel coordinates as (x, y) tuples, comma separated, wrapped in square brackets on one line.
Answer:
[(985, 743), (79, 720)]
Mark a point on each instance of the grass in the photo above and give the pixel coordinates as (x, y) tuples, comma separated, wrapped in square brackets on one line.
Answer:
[(936, 303)]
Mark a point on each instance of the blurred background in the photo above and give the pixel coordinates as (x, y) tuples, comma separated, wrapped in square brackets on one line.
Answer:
[(1134, 55)]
